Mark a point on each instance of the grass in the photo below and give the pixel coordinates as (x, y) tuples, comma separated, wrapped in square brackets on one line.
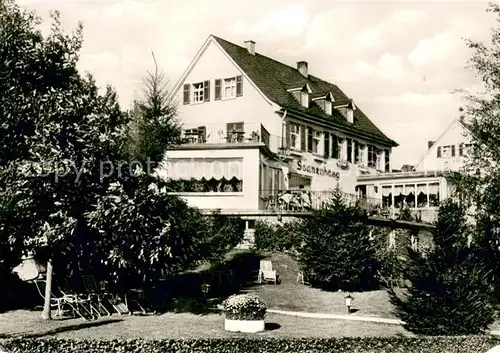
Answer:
[(180, 326), (292, 296), (185, 321)]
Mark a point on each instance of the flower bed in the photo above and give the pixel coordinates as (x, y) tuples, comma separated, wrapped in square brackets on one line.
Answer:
[(244, 313)]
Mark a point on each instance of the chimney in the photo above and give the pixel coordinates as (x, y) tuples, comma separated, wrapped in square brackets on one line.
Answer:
[(250, 44), (302, 67), (430, 144)]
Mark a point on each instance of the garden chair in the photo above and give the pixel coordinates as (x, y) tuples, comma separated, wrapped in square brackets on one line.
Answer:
[(82, 304), (94, 292), (137, 298), (56, 302), (116, 302), (266, 272)]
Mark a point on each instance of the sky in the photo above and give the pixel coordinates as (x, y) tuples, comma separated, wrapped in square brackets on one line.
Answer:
[(401, 61)]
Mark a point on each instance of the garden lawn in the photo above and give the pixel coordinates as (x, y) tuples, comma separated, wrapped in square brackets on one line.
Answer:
[(176, 326), (292, 296)]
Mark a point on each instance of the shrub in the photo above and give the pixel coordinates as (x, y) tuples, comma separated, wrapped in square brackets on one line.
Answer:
[(278, 237), (268, 345), (244, 307), (338, 252), (449, 292)]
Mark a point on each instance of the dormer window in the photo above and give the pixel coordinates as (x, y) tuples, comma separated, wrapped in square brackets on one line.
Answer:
[(328, 107), (301, 94), (304, 98), (347, 110), (325, 102)]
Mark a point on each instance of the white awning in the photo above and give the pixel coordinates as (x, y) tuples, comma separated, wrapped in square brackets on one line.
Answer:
[(204, 168)]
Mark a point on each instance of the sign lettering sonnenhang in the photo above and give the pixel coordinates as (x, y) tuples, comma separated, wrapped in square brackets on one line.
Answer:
[(318, 171)]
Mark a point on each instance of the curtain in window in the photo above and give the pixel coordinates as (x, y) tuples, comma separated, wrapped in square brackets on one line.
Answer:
[(207, 168), (409, 189), (421, 188), (398, 190), (433, 189), (386, 190)]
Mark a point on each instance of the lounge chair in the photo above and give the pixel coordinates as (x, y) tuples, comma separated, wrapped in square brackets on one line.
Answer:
[(95, 294), (56, 302), (81, 302), (266, 272)]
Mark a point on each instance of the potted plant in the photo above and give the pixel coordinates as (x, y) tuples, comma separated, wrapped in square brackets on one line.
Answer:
[(244, 313)]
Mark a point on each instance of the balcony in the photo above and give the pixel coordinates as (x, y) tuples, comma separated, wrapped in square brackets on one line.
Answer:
[(230, 133), (301, 201)]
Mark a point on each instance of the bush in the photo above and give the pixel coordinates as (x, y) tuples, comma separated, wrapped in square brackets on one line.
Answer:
[(269, 345), (338, 252), (449, 292), (278, 237), (244, 307)]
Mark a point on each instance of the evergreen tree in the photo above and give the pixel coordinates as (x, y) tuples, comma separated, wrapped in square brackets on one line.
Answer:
[(337, 251), (154, 125), (449, 292)]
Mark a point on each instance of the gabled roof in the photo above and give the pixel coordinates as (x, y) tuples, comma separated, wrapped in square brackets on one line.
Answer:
[(274, 78), (435, 144)]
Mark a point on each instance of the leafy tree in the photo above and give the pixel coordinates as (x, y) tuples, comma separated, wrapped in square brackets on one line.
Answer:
[(479, 183), (449, 292), (337, 252), (224, 233)]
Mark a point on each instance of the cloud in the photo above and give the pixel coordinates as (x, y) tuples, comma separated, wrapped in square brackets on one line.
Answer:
[(288, 22), (423, 99), (388, 67), (435, 50), (408, 16)]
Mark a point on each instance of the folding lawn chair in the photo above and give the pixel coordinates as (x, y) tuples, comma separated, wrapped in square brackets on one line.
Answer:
[(56, 302), (95, 294), (114, 300), (135, 299), (266, 272), (82, 304)]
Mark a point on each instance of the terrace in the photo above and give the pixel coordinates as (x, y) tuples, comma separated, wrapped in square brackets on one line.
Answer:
[(229, 133), (296, 200)]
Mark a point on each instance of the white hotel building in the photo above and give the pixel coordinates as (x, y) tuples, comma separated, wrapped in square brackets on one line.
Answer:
[(254, 127)]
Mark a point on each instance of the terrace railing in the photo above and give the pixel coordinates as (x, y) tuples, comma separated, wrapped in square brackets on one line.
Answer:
[(231, 133), (301, 201)]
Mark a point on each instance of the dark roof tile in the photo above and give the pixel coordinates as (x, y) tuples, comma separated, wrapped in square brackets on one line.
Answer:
[(274, 79)]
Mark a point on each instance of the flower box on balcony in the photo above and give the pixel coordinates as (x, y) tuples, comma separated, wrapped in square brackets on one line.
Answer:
[(244, 313)]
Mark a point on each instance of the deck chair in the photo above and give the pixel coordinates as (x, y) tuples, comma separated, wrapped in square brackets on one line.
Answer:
[(135, 299), (266, 272), (56, 302), (114, 300), (82, 303), (99, 298)]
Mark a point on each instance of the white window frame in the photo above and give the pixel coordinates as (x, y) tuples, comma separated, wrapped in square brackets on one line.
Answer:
[(342, 148), (198, 92), (328, 107), (304, 98), (229, 83), (318, 144), (379, 160), (360, 153), (446, 152), (295, 131)]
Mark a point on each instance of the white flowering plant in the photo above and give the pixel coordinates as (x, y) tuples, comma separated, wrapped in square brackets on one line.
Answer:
[(244, 307)]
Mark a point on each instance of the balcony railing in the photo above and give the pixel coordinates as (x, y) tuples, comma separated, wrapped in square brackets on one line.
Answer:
[(300, 200), (231, 133)]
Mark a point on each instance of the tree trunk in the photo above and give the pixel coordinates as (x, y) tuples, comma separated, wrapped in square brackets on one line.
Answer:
[(46, 314)]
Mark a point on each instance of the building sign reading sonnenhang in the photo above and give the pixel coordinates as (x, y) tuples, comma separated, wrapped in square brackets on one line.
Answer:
[(317, 170)]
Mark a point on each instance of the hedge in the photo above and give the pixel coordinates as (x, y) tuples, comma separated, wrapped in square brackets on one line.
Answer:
[(470, 344)]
